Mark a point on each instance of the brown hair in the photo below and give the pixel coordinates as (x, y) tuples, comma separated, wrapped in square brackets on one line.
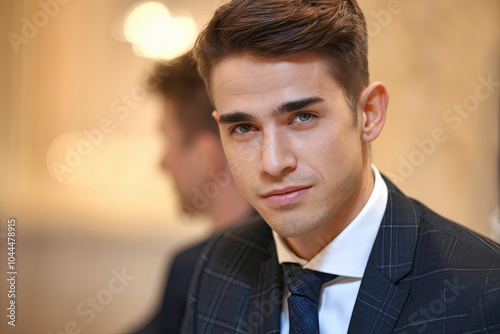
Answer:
[(180, 81), (334, 29)]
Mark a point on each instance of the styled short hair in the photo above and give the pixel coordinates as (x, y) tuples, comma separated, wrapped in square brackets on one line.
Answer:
[(179, 80), (334, 29)]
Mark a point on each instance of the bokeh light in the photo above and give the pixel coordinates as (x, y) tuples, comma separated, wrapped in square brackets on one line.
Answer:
[(154, 33), (145, 21)]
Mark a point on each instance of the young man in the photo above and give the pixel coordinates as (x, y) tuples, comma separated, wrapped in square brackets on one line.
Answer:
[(338, 248), (195, 159)]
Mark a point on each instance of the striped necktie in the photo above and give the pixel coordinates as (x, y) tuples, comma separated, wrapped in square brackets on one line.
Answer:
[(305, 287)]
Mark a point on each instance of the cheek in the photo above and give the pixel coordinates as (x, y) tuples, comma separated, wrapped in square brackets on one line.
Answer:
[(334, 155), (242, 159), (243, 162), (242, 175), (241, 172)]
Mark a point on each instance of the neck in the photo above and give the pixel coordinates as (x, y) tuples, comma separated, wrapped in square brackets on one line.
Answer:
[(310, 245)]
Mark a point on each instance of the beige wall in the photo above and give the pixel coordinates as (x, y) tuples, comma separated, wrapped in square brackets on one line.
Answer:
[(115, 210), (433, 55)]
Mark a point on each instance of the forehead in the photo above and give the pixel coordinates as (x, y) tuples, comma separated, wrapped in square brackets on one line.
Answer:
[(245, 77)]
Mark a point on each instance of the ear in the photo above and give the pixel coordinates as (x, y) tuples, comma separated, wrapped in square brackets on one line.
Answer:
[(215, 115), (373, 106)]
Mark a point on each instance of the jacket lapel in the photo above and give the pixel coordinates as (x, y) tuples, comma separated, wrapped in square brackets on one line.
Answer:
[(381, 296), (263, 276), (269, 295)]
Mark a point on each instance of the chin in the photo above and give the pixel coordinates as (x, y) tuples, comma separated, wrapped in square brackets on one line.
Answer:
[(293, 227)]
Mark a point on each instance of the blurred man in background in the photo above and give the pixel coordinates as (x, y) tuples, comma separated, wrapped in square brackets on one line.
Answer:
[(195, 159)]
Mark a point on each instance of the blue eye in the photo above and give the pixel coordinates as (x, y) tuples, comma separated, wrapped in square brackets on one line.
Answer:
[(242, 128), (305, 117)]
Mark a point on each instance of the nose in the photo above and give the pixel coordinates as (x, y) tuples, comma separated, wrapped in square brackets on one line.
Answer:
[(166, 159), (276, 155), (164, 163)]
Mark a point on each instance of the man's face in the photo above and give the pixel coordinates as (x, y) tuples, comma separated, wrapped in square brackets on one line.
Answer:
[(293, 145), (180, 159)]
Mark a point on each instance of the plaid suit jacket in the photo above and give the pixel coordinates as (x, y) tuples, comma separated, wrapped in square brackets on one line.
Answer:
[(425, 274)]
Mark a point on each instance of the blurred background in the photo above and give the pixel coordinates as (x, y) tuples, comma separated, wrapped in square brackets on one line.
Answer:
[(96, 220)]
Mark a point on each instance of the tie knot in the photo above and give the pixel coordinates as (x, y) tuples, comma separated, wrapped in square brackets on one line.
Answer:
[(305, 282)]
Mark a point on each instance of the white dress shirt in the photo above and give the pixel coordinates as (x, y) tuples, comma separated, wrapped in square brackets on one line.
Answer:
[(346, 256)]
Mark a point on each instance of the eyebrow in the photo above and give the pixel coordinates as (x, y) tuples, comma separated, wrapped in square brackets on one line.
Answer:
[(296, 105), (287, 107), (236, 117)]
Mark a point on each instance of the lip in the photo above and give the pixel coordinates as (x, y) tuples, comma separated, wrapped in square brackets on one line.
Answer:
[(286, 195)]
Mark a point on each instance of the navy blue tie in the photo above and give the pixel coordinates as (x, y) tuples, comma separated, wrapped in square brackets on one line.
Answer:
[(305, 287)]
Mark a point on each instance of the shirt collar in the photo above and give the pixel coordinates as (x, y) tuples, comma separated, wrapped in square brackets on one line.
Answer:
[(347, 254)]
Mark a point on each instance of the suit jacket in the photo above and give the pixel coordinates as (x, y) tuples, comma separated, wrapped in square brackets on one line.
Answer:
[(425, 274), (168, 319)]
